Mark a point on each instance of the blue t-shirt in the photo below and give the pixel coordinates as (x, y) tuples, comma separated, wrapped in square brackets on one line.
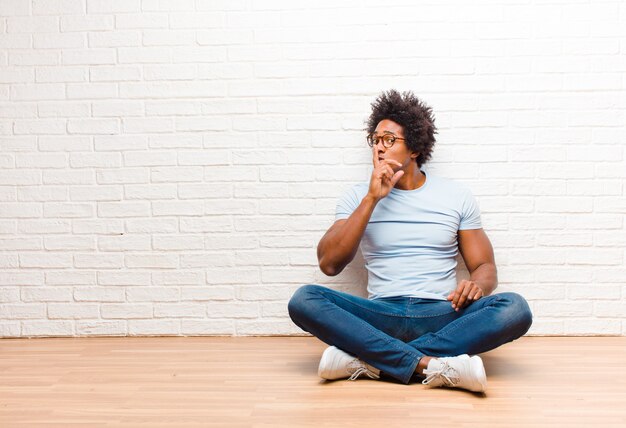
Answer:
[(410, 243)]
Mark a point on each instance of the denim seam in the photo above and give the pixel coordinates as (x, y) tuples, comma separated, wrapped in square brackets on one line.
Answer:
[(368, 309), (431, 316)]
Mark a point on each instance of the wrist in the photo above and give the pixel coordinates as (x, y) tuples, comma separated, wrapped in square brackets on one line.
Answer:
[(371, 200)]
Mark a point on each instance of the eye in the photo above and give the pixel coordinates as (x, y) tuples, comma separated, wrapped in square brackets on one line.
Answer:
[(388, 139)]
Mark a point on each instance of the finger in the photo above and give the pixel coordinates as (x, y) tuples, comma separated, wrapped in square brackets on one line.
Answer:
[(397, 177), (473, 295), (375, 155), (464, 294), (393, 161), (389, 172), (457, 294)]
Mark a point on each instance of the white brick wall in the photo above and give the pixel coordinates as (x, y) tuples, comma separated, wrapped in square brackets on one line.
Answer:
[(167, 167)]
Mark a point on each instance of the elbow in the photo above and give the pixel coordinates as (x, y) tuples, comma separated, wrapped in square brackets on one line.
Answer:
[(328, 269)]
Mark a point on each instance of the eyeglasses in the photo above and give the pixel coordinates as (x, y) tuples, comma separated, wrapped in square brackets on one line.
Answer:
[(388, 140)]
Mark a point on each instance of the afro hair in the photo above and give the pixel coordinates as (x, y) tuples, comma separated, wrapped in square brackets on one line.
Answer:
[(415, 117)]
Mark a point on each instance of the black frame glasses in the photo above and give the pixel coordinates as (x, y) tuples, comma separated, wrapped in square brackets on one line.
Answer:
[(388, 139)]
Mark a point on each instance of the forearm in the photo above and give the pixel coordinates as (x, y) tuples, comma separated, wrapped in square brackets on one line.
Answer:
[(486, 277), (338, 247)]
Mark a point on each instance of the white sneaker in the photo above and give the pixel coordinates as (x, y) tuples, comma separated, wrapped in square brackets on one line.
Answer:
[(337, 364), (457, 372)]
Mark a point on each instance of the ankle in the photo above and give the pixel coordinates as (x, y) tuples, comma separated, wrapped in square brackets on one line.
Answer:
[(423, 364)]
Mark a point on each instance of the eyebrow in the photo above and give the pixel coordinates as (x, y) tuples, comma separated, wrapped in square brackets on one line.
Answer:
[(386, 132)]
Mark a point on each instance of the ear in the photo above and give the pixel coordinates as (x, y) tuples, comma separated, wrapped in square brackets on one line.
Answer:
[(414, 155)]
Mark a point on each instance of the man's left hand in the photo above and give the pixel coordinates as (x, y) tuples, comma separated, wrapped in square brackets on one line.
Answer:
[(465, 294)]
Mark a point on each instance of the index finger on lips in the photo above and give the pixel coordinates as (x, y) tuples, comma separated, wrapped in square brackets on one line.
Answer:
[(375, 156)]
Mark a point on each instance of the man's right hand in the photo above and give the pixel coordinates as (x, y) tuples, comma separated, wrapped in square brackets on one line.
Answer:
[(383, 177)]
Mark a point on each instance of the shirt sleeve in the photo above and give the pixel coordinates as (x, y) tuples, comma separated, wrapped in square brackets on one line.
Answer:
[(347, 204), (470, 213)]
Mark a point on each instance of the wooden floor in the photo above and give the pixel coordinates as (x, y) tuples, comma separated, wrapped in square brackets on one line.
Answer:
[(272, 382)]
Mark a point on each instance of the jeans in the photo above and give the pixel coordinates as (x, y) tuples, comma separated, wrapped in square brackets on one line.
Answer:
[(394, 333)]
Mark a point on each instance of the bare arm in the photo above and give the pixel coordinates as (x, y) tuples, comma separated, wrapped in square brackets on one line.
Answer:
[(339, 244), (477, 253)]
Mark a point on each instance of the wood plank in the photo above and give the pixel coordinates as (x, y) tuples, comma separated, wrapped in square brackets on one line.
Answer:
[(272, 382)]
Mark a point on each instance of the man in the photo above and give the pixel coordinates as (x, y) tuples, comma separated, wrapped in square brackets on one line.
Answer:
[(410, 226)]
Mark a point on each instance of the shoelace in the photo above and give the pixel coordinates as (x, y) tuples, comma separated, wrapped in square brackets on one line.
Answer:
[(447, 374), (359, 368)]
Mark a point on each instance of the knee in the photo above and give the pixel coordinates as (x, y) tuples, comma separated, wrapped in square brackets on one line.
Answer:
[(518, 313), (300, 302)]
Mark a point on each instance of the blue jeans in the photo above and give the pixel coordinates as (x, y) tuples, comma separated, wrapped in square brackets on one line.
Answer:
[(394, 333)]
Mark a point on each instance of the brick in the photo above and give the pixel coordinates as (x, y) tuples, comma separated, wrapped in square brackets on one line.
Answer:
[(226, 275), (150, 191), (126, 310), (117, 108), (81, 91), (180, 208), (98, 261), (99, 294), (101, 328), (152, 225), (47, 328), (70, 23), (114, 74), (180, 310), (63, 109), (155, 261), (124, 209), (152, 294), (95, 160), (21, 278), (69, 243), (210, 327), (125, 278), (177, 174), (235, 309), (72, 311), (104, 227), (10, 294), (114, 39), (88, 56), (203, 191), (123, 176), (70, 278), (64, 143), (233, 207), (176, 243), (45, 226), (154, 327), (141, 20), (59, 40), (41, 126), (219, 293), (69, 210), (93, 126), (20, 210), (113, 6), (58, 7), (45, 260)]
